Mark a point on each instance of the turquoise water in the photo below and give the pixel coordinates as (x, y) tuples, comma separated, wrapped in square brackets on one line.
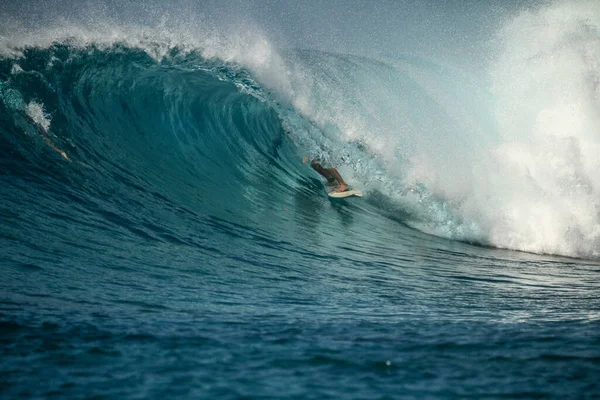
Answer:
[(179, 248)]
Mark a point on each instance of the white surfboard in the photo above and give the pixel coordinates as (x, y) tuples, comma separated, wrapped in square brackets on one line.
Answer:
[(347, 193), (331, 192)]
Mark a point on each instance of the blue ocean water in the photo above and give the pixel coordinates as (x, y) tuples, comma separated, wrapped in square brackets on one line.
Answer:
[(161, 237)]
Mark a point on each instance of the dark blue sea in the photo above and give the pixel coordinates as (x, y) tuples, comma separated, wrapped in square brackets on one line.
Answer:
[(161, 238)]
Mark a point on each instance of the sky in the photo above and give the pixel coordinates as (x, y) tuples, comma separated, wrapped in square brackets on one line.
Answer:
[(440, 28)]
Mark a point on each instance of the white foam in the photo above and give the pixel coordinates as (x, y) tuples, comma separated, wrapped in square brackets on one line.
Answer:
[(16, 68), (36, 112), (539, 191), (243, 44)]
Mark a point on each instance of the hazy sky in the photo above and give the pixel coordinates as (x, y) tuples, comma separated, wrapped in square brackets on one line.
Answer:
[(439, 27)]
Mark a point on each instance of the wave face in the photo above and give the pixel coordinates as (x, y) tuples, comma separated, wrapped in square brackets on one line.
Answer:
[(474, 158), (157, 220), (127, 131)]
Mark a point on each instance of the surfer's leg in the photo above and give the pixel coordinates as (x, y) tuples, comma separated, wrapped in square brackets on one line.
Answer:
[(334, 172), (330, 174), (322, 171)]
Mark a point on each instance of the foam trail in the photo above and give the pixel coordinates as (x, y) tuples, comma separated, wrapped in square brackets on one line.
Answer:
[(38, 115)]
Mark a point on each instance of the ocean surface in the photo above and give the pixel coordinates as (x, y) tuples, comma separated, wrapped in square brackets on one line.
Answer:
[(161, 238)]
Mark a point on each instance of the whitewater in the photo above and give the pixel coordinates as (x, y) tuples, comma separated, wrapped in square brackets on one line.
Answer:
[(161, 237)]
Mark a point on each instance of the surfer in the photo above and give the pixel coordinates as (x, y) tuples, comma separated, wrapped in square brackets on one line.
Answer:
[(331, 174)]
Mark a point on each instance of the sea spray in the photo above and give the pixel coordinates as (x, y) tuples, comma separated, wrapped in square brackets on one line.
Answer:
[(540, 190)]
